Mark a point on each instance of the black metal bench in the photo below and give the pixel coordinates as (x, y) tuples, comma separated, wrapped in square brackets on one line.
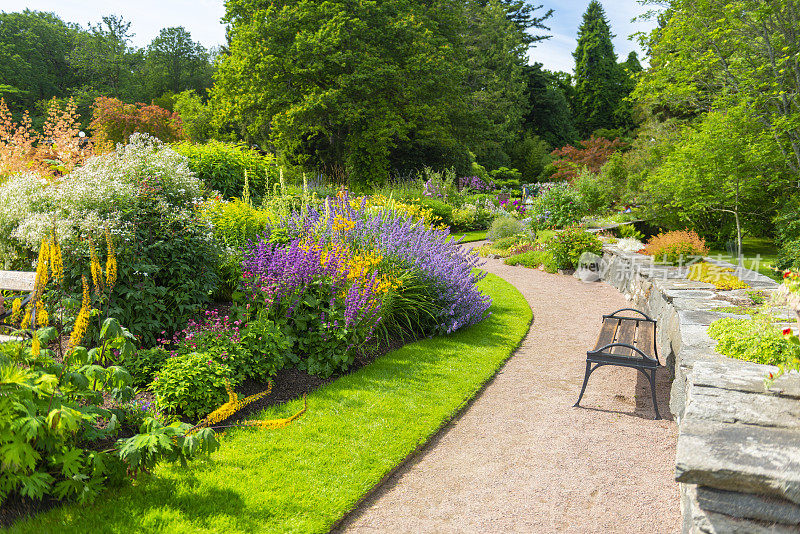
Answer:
[(628, 342), (18, 282)]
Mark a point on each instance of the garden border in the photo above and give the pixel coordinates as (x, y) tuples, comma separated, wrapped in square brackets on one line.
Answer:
[(732, 432)]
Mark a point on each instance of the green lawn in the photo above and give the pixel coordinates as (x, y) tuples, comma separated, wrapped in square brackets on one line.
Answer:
[(759, 254), (476, 235), (305, 477)]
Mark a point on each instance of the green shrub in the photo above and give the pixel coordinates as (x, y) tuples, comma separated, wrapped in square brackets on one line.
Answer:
[(534, 259), (505, 178), (560, 206), (504, 227), (464, 220), (629, 231), (593, 190), (235, 222), (144, 364), (192, 384), (788, 255), (568, 245), (754, 340), (440, 209), (221, 166)]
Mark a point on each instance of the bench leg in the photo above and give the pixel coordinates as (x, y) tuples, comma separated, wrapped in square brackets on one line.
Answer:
[(585, 380), (652, 377)]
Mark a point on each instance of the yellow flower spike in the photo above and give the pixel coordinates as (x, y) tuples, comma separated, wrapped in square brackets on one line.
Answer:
[(82, 321), (26, 319), (97, 271), (16, 310), (273, 424), (56, 260), (36, 346), (42, 318), (42, 267), (111, 262), (233, 405)]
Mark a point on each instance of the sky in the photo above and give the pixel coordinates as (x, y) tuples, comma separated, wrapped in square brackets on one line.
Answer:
[(202, 19)]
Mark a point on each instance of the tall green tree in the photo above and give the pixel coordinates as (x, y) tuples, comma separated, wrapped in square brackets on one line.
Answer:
[(549, 115), (176, 63), (599, 82), (33, 57)]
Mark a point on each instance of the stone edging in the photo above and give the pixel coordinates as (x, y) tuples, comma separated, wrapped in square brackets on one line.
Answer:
[(738, 453)]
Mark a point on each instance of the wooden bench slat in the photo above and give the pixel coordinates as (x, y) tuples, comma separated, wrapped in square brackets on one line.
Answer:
[(607, 333), (17, 280), (626, 333), (645, 337)]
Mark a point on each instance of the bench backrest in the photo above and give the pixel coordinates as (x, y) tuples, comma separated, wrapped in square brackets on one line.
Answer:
[(17, 280)]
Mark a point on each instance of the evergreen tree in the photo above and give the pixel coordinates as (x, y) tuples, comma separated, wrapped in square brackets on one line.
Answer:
[(599, 81), (549, 115)]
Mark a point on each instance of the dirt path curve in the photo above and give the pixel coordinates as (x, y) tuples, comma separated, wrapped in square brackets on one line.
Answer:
[(522, 459)]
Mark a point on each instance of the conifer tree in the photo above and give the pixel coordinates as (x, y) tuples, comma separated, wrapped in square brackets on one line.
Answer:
[(599, 81)]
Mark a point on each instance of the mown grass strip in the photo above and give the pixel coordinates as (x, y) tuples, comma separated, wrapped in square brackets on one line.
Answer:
[(469, 237), (305, 477)]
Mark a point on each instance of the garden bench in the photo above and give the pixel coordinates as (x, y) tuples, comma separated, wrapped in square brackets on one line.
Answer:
[(17, 281), (628, 342)]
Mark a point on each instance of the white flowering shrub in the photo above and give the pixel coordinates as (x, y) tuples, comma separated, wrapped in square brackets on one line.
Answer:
[(630, 244), (143, 193)]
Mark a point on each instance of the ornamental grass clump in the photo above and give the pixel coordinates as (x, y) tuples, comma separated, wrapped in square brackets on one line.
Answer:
[(676, 246)]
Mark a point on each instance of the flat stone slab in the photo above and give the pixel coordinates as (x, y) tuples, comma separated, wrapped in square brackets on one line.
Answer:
[(668, 285), (747, 505), (738, 457), (701, 317), (730, 406), (748, 377)]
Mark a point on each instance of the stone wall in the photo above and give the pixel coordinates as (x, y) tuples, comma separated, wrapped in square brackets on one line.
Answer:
[(738, 453)]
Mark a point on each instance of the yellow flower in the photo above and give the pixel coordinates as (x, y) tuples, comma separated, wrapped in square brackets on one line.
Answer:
[(42, 272), (26, 319), (233, 405), (56, 260), (111, 262), (42, 318), (97, 271), (16, 310), (36, 346), (272, 424), (82, 321)]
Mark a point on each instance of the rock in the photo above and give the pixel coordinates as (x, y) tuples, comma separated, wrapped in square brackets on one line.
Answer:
[(737, 457), (748, 506)]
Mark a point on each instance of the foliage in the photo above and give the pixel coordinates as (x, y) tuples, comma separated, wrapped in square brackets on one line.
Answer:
[(412, 392), (568, 245), (222, 167), (114, 122), (196, 117), (57, 150), (559, 206), (599, 87), (549, 116), (718, 177), (504, 226), (192, 384), (591, 153), (505, 178), (720, 277), (534, 259), (629, 231), (676, 246), (593, 190), (789, 255), (176, 63), (754, 340), (142, 195), (235, 223)]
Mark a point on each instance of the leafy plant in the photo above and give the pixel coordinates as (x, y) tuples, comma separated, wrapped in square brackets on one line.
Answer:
[(115, 121), (568, 245), (675, 246), (755, 340), (192, 384), (720, 277), (558, 206), (504, 227), (222, 167), (534, 259)]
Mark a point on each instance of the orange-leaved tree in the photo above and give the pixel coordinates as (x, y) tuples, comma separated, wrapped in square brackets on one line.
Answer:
[(591, 153), (115, 121)]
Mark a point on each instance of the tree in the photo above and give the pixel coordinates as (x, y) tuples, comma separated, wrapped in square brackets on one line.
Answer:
[(714, 54), (599, 84), (591, 154), (548, 114), (104, 60), (720, 178), (33, 57), (176, 63)]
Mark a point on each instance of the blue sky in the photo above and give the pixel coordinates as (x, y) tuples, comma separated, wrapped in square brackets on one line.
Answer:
[(202, 19)]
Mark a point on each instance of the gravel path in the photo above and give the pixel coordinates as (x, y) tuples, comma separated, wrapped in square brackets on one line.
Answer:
[(522, 459)]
